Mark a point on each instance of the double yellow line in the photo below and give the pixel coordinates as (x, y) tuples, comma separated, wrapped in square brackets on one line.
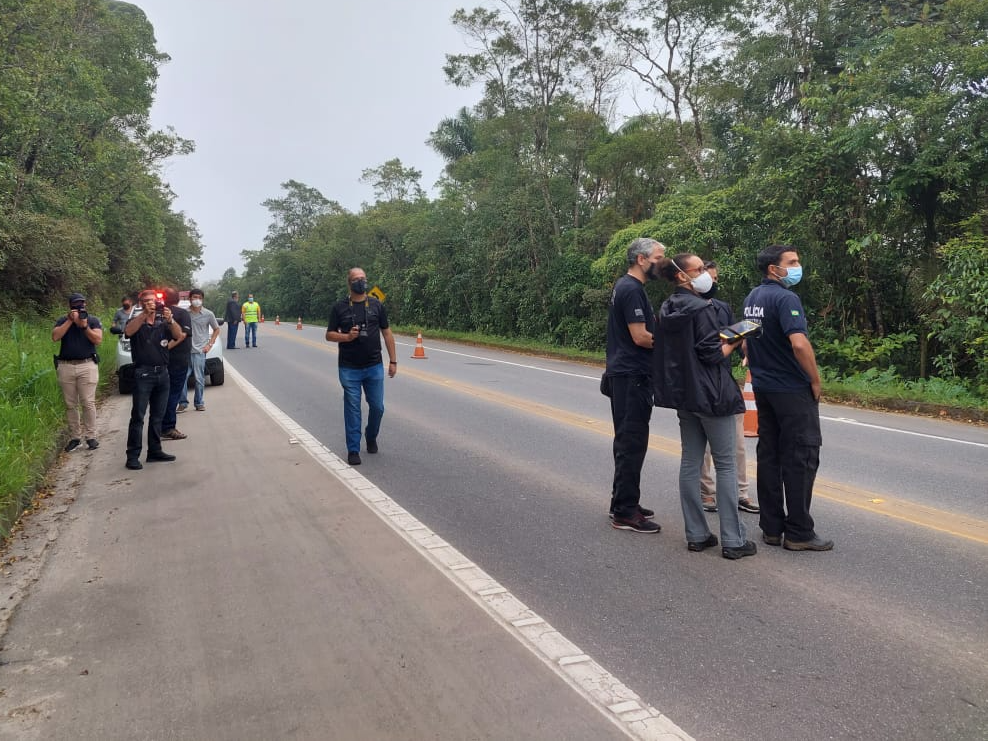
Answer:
[(951, 523)]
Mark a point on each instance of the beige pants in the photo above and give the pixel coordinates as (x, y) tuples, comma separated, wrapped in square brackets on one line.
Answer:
[(707, 489), (78, 382)]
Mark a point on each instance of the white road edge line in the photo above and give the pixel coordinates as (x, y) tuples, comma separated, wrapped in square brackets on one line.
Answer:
[(616, 702)]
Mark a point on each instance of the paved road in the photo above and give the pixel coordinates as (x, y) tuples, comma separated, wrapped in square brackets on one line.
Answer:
[(247, 592), (507, 458)]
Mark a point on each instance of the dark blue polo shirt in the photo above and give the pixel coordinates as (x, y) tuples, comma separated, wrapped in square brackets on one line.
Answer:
[(771, 359), (75, 345), (629, 305)]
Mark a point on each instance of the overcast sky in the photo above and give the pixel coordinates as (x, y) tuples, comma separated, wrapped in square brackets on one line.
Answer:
[(307, 90)]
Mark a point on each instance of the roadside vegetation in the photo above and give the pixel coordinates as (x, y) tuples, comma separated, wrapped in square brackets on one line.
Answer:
[(32, 413), (854, 131)]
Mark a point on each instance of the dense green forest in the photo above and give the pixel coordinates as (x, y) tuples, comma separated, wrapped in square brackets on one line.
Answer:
[(853, 130), (82, 206)]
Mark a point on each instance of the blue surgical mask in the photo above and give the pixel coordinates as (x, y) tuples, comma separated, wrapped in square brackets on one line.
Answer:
[(792, 277)]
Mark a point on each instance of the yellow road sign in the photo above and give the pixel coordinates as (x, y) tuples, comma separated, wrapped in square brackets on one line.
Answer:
[(378, 294)]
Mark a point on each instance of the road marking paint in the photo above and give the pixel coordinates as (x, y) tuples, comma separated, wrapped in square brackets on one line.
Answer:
[(616, 702), (951, 523), (850, 421), (596, 379)]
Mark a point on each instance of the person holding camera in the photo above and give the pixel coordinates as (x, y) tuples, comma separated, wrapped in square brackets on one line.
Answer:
[(357, 322), (150, 331), (77, 367)]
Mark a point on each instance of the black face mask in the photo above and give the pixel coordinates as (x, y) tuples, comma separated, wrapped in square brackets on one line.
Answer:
[(359, 285), (711, 293)]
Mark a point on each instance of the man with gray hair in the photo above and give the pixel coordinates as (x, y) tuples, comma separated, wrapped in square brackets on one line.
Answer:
[(628, 382)]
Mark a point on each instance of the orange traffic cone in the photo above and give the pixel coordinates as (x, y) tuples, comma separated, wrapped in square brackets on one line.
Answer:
[(750, 410), (277, 320), (419, 353), (262, 318), (299, 325)]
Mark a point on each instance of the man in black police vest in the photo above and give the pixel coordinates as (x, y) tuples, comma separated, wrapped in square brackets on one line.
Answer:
[(149, 331), (357, 322), (786, 382)]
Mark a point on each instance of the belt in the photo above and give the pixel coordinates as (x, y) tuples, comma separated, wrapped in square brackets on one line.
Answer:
[(75, 361), (152, 368)]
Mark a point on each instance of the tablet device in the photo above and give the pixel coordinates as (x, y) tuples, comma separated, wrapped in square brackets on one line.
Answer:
[(741, 330)]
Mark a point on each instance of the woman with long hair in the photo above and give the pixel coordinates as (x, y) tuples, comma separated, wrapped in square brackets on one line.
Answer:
[(692, 374)]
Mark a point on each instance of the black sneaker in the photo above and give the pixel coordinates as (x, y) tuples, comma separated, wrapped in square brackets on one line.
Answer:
[(372, 445), (817, 544), (644, 512), (72, 445), (748, 549), (353, 458), (636, 523), (93, 443), (771, 539), (710, 542), (134, 465), (160, 456)]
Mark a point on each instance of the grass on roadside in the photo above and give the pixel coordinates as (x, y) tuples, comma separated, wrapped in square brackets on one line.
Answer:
[(880, 389), (32, 412)]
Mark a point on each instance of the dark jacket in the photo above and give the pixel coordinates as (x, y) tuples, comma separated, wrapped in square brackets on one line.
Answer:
[(689, 370), (232, 315)]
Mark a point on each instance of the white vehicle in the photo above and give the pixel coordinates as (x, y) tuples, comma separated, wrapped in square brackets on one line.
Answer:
[(125, 365)]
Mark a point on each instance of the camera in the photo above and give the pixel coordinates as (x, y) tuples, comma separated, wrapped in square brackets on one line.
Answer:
[(83, 314)]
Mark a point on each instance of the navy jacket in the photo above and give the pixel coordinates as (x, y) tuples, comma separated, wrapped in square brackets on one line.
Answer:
[(689, 370)]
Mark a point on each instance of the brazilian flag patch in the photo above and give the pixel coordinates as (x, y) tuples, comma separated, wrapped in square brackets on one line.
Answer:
[(794, 312)]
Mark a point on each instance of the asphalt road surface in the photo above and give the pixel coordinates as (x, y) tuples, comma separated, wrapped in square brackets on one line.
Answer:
[(508, 458)]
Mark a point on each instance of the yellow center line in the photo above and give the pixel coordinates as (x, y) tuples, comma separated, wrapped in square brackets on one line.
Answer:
[(951, 523)]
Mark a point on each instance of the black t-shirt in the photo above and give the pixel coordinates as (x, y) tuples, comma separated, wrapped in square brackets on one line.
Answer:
[(75, 344), (181, 354), (149, 344), (771, 359), (372, 317), (629, 305)]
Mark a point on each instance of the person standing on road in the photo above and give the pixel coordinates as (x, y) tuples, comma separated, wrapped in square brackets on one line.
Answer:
[(150, 331), (232, 318), (179, 366), (250, 313), (77, 368), (205, 331), (708, 492), (121, 315), (357, 323), (692, 375), (786, 382), (627, 378)]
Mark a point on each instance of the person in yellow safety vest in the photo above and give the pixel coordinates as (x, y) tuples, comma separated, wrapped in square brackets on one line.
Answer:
[(250, 313)]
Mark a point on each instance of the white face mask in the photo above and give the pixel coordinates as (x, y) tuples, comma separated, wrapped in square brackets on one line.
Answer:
[(197, 302), (702, 283)]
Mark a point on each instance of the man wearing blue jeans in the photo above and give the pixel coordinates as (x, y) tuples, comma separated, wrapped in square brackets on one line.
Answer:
[(205, 331), (357, 323)]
